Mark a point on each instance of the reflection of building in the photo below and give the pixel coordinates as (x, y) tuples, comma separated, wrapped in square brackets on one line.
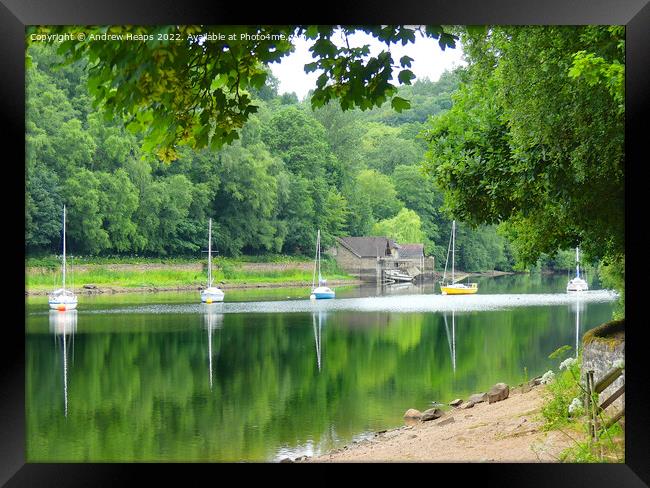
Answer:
[(373, 258), (64, 324), (212, 319)]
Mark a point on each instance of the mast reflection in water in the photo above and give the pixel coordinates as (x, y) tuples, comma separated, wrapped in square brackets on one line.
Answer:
[(212, 319), (62, 325)]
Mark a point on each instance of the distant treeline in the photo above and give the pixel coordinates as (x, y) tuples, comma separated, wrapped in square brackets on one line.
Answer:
[(292, 171)]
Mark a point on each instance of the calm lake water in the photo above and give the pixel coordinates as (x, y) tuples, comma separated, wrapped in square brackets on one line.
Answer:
[(269, 374)]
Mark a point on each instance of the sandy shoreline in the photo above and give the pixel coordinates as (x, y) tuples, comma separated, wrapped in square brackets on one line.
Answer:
[(505, 431)]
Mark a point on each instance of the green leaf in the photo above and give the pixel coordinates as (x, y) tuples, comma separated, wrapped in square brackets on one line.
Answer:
[(405, 61), (311, 67), (400, 104), (405, 76), (322, 80)]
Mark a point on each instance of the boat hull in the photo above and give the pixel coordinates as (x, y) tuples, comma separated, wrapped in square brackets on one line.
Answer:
[(457, 290), (211, 295), (399, 276), (62, 306), (577, 285), (324, 296), (322, 293), (62, 300)]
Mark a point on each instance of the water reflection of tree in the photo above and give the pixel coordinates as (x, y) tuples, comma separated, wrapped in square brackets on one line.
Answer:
[(144, 395)]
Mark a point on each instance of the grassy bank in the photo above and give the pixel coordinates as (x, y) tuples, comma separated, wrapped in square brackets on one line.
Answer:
[(43, 274), (563, 411)]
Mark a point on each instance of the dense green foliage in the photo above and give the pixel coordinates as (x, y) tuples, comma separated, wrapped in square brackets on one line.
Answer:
[(292, 171), (191, 84), (535, 139)]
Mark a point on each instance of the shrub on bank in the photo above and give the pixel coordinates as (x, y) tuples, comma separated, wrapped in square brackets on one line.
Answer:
[(564, 409)]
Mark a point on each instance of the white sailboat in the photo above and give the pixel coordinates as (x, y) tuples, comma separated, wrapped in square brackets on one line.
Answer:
[(211, 293), (62, 299), (577, 284), (451, 287), (321, 291)]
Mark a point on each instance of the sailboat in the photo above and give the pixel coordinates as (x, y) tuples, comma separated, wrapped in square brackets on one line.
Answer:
[(321, 291), (450, 287), (62, 299), (577, 283), (211, 293)]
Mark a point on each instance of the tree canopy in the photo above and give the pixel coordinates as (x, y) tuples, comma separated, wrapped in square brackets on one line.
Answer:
[(191, 84), (535, 138), (529, 136)]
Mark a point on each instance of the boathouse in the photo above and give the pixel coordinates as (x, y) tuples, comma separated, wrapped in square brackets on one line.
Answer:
[(370, 257)]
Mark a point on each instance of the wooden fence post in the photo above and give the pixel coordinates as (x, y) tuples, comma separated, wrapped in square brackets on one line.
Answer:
[(591, 405)]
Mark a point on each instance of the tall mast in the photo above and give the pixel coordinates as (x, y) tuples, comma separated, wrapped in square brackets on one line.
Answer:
[(577, 264), (444, 274), (210, 252), (313, 277), (318, 251), (453, 249), (64, 247)]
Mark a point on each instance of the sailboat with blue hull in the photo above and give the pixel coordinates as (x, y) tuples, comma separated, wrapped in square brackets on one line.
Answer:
[(321, 291)]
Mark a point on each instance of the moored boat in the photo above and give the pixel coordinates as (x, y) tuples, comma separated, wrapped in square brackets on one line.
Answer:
[(62, 299), (211, 293), (321, 291), (577, 283), (451, 287)]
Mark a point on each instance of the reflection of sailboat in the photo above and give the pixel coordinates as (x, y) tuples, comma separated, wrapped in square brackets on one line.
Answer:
[(62, 299), (451, 340), (451, 287), (211, 293), (578, 306), (64, 324), (317, 336), (212, 319)]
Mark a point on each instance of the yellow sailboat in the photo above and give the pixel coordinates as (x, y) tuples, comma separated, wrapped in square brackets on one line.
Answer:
[(450, 287)]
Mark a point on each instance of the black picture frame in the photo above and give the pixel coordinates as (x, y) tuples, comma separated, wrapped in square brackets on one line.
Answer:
[(634, 14)]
